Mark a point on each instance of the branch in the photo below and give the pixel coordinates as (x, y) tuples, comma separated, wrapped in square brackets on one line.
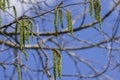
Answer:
[(61, 32), (37, 46)]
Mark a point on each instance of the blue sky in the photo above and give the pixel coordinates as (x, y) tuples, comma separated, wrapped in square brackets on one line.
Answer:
[(96, 56)]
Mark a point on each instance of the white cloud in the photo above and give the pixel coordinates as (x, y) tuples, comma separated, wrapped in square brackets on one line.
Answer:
[(18, 7), (21, 7)]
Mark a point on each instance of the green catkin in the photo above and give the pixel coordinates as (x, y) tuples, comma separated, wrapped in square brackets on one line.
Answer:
[(4, 5), (18, 71), (56, 20), (25, 54), (95, 10), (23, 22), (69, 20), (0, 20), (55, 64), (15, 12), (8, 3), (0, 4), (17, 23), (27, 32), (91, 8), (28, 29), (16, 30), (32, 28), (21, 36), (60, 66), (28, 36), (24, 35), (61, 18)]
